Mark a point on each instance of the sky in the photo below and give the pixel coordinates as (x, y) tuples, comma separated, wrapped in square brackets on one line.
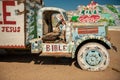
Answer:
[(72, 4)]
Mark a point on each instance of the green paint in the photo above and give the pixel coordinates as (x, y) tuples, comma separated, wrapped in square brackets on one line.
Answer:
[(112, 8), (75, 18)]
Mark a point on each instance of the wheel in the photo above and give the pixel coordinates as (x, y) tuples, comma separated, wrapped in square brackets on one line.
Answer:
[(93, 57)]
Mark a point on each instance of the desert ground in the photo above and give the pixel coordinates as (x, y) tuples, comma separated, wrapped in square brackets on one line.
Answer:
[(24, 66)]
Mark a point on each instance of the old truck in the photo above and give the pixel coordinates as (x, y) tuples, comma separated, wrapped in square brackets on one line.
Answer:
[(26, 25)]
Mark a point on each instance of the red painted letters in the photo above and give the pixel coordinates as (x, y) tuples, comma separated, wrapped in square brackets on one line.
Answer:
[(5, 13), (0, 22), (47, 47), (10, 29), (56, 47), (8, 25)]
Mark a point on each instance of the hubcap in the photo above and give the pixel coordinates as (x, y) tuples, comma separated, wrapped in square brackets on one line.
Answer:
[(93, 57)]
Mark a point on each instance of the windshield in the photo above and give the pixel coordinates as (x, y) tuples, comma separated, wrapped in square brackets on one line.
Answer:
[(65, 16)]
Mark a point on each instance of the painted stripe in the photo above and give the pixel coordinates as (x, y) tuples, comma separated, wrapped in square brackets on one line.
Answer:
[(87, 30), (12, 46)]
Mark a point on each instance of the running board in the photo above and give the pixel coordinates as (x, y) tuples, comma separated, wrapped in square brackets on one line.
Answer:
[(57, 54)]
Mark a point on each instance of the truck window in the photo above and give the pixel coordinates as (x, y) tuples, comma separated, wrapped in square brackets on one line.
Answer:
[(49, 22), (54, 20), (50, 34)]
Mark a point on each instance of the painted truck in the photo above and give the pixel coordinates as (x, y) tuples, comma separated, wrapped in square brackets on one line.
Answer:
[(26, 24)]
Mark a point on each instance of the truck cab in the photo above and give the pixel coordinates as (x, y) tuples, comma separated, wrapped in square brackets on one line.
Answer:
[(86, 42)]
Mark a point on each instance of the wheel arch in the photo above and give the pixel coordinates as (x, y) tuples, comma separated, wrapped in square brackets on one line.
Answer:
[(107, 46)]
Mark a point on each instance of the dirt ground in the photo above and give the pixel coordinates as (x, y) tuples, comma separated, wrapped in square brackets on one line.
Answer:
[(34, 67)]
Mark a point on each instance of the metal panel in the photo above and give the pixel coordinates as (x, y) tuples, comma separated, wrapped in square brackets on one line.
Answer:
[(12, 24)]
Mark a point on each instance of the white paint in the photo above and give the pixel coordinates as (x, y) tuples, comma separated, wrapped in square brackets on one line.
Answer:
[(13, 38)]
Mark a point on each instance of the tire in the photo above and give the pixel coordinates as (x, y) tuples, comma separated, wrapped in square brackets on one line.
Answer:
[(93, 57)]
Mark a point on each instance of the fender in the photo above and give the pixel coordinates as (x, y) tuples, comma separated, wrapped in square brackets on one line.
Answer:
[(90, 38)]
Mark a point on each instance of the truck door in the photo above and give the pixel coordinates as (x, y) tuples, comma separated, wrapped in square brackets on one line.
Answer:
[(50, 34)]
